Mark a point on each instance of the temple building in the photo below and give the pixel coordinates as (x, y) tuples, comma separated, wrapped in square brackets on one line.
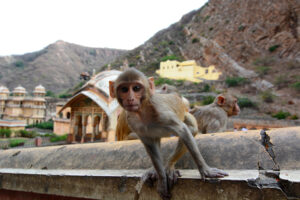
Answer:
[(90, 113), (187, 70), (18, 107)]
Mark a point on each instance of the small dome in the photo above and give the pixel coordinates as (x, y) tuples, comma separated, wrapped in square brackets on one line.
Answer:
[(19, 90), (4, 89), (39, 89)]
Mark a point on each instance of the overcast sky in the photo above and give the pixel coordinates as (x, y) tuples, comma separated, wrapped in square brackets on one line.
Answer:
[(31, 25)]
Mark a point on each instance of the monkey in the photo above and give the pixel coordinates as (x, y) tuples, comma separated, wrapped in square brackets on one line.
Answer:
[(167, 89), (213, 118), (123, 131), (153, 116)]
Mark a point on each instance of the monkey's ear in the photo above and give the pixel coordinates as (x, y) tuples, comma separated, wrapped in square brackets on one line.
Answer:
[(221, 100), (112, 89), (151, 85)]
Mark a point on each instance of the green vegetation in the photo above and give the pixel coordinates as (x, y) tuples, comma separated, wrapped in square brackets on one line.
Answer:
[(262, 70), (170, 57), (296, 86), (206, 18), (57, 138), (64, 95), (163, 43), (19, 64), (241, 28), (294, 117), (43, 125), (49, 93), (244, 102), (208, 100), (206, 88), (154, 65), (5, 132), (16, 142), (211, 28), (195, 40), (264, 61), (280, 81), (160, 81), (281, 115), (274, 47), (235, 81), (267, 96), (93, 52), (27, 134), (171, 43)]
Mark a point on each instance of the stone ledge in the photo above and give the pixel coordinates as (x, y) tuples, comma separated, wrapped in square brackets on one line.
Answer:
[(121, 184)]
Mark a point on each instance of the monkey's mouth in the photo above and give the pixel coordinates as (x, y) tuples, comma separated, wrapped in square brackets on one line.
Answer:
[(132, 107)]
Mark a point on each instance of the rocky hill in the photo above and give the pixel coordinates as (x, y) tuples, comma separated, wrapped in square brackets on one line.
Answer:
[(57, 67), (252, 40)]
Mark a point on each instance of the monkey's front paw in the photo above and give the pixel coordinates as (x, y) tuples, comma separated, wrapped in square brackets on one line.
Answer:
[(163, 191), (150, 177), (172, 175), (213, 173)]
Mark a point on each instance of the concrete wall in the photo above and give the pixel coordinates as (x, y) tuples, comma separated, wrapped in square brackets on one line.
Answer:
[(261, 165)]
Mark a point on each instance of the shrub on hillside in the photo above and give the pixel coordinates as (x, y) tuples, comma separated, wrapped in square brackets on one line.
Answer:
[(267, 96), (235, 81), (262, 70), (296, 86), (161, 81), (208, 100), (244, 102), (170, 57), (281, 115)]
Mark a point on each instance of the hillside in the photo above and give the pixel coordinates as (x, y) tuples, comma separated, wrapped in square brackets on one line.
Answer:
[(57, 67), (255, 40)]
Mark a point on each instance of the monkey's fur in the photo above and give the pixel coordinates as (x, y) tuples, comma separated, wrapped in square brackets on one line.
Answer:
[(123, 131), (152, 116), (213, 118)]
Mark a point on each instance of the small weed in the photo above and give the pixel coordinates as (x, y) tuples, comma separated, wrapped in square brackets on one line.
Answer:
[(281, 115), (195, 40), (274, 47), (244, 102), (235, 81), (267, 96)]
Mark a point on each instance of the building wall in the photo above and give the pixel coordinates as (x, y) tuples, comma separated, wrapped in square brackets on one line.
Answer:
[(30, 109), (61, 127), (187, 70)]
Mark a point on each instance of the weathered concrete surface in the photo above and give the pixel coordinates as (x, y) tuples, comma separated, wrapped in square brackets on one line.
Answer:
[(261, 165), (123, 184), (234, 150)]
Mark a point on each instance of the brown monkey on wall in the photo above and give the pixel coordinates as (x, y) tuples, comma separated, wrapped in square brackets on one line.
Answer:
[(152, 116), (213, 118), (123, 131)]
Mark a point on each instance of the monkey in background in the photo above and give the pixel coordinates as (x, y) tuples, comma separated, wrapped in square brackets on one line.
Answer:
[(153, 116), (213, 118)]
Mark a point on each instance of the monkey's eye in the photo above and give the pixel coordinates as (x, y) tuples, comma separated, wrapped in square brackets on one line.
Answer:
[(124, 89), (136, 88)]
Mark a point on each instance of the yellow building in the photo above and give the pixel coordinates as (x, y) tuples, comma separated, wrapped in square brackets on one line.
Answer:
[(187, 70), (20, 106)]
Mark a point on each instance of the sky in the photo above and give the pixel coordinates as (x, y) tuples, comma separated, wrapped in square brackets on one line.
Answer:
[(31, 25)]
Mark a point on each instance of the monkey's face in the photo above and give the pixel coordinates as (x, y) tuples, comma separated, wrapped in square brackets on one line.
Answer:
[(130, 95), (235, 108)]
